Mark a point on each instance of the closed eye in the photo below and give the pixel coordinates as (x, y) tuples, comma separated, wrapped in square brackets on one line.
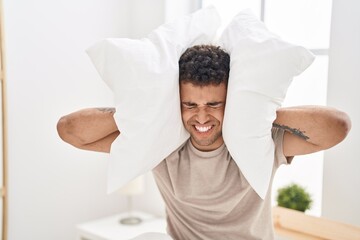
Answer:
[(215, 104), (189, 105)]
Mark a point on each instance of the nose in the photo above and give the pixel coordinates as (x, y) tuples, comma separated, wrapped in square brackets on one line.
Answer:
[(202, 115)]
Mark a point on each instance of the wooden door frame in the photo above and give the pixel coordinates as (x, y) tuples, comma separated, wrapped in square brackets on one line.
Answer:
[(3, 193)]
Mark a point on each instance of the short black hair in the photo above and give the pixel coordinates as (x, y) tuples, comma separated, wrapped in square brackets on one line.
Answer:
[(204, 65)]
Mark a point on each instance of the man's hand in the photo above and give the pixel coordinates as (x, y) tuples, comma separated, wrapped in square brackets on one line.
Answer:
[(90, 129), (311, 128)]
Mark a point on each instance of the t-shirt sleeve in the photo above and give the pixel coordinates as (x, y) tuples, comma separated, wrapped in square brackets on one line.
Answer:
[(278, 137)]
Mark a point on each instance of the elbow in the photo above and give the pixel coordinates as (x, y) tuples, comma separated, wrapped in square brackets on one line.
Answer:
[(344, 124), (61, 127), (64, 128), (66, 131)]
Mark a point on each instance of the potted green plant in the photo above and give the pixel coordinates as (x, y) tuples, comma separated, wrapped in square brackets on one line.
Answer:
[(294, 197)]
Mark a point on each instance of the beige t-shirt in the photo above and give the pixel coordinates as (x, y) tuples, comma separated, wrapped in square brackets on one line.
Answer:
[(207, 196)]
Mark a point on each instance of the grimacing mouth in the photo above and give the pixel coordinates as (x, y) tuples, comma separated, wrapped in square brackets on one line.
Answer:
[(203, 129)]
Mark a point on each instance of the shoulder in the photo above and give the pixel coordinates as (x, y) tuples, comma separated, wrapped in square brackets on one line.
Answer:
[(176, 153), (174, 156)]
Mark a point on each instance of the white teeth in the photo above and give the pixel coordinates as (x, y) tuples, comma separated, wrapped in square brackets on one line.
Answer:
[(203, 129)]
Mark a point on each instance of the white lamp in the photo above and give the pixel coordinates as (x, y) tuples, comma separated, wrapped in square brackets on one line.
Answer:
[(134, 187)]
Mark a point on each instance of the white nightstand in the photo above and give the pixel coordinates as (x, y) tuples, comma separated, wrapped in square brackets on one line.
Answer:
[(109, 228)]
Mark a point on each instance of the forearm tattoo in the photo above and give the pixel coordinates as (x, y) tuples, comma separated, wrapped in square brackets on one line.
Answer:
[(294, 131), (111, 110)]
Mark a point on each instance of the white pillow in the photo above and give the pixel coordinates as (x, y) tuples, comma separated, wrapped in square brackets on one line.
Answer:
[(261, 69), (143, 75)]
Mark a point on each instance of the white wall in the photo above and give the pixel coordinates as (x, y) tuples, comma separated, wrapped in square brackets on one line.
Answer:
[(145, 16), (176, 8), (341, 196), (53, 186)]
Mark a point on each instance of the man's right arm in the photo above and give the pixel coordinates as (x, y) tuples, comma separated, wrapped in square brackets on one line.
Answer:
[(90, 129)]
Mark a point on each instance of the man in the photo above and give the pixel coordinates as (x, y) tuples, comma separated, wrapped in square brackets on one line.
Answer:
[(206, 195)]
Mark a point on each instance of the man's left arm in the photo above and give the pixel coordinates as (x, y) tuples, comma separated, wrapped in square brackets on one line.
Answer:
[(310, 129)]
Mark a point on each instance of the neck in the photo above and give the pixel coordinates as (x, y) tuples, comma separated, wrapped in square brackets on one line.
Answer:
[(207, 148)]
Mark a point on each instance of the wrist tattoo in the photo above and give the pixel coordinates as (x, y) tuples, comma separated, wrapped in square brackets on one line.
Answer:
[(294, 131), (111, 110)]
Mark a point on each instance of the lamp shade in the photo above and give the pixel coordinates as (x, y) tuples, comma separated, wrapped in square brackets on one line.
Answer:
[(135, 187)]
